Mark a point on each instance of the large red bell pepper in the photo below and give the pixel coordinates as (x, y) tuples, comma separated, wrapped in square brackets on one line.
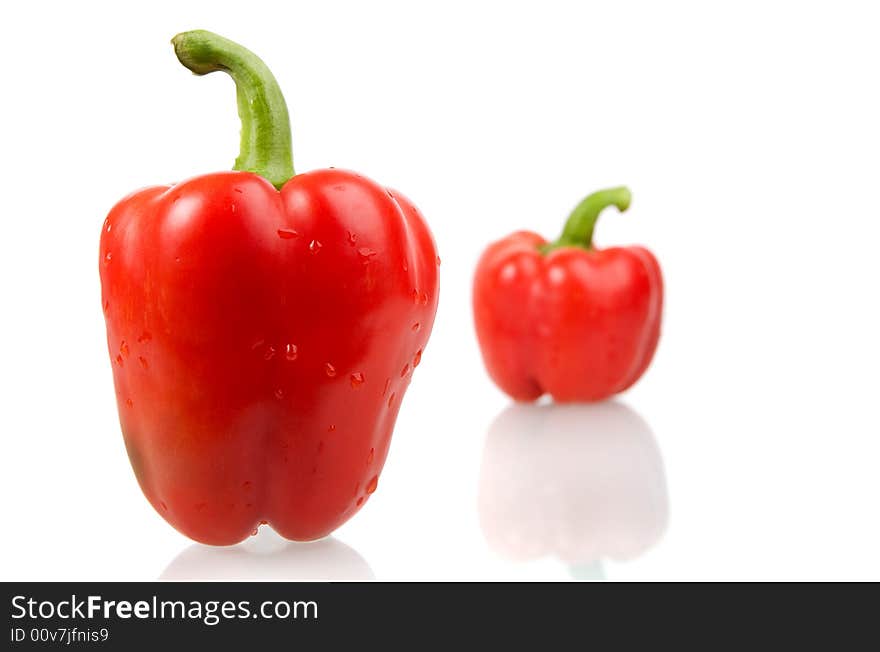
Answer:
[(565, 318), (263, 327)]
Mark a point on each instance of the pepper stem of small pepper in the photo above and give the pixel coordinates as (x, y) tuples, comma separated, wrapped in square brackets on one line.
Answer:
[(578, 231), (265, 125)]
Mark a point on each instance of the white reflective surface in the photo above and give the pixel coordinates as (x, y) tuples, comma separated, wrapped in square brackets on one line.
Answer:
[(267, 556), (579, 483)]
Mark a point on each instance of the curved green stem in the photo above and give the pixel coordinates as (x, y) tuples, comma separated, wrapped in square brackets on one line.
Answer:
[(265, 125), (578, 231)]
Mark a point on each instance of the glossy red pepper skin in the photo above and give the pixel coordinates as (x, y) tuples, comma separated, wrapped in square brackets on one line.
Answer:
[(580, 324), (262, 342)]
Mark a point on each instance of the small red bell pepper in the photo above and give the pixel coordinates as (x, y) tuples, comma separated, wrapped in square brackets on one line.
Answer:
[(565, 318), (262, 327)]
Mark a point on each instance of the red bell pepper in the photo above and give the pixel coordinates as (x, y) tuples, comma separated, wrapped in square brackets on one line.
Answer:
[(565, 318), (263, 327)]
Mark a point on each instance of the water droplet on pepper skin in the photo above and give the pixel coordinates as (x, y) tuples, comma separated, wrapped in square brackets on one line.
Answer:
[(423, 298), (360, 501), (387, 385), (371, 486), (129, 402), (315, 246), (330, 370), (143, 361), (352, 238), (438, 261), (164, 506), (287, 234), (366, 252), (405, 370), (416, 327), (144, 337), (371, 456), (279, 394), (107, 257), (417, 359), (291, 352), (331, 428), (119, 360), (269, 353), (357, 379), (123, 348), (391, 398)]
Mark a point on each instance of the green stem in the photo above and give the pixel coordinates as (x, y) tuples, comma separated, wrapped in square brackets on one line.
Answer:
[(578, 231), (265, 126)]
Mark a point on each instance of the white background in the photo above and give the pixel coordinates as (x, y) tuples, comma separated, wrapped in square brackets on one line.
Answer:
[(749, 133)]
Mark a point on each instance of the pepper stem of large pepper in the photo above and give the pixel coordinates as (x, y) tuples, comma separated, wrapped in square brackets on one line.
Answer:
[(265, 125), (578, 231)]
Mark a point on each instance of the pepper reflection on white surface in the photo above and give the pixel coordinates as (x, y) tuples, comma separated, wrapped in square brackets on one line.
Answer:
[(580, 483), (268, 556)]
